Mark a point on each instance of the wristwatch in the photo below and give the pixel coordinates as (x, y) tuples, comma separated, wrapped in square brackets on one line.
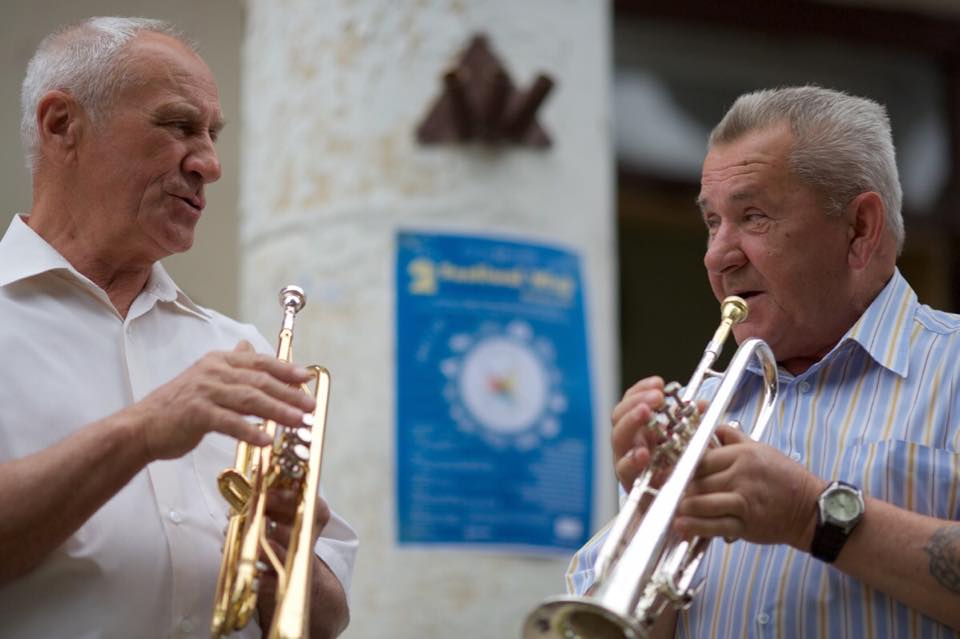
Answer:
[(839, 510)]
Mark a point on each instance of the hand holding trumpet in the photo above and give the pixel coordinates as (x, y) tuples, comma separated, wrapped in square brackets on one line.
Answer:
[(741, 490), (217, 393)]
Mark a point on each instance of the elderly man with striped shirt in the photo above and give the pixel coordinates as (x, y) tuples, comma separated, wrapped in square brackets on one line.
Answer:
[(846, 516)]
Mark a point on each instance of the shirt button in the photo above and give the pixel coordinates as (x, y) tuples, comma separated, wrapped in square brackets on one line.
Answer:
[(804, 387), (185, 626), (175, 517), (795, 456), (763, 618)]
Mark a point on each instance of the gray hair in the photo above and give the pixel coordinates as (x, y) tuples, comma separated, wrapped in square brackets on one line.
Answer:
[(842, 144), (86, 59)]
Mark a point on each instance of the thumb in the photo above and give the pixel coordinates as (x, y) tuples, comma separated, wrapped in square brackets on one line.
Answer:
[(730, 435)]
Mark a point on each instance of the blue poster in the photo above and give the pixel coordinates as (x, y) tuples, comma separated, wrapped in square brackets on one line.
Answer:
[(494, 437)]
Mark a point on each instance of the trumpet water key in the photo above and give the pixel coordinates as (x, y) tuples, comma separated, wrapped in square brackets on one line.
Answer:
[(291, 463), (643, 568)]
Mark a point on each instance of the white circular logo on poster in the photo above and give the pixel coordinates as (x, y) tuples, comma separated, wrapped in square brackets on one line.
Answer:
[(503, 385)]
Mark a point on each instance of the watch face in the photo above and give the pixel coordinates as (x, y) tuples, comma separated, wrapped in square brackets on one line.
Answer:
[(842, 505)]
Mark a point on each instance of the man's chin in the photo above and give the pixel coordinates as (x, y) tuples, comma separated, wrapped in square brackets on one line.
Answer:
[(178, 240), (746, 330)]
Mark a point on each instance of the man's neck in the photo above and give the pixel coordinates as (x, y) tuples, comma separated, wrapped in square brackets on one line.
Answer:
[(873, 285), (95, 257)]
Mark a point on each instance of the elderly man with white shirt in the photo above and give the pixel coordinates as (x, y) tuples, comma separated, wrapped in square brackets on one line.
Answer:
[(121, 398)]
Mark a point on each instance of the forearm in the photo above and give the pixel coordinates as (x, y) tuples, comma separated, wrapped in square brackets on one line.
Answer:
[(46, 497), (909, 557)]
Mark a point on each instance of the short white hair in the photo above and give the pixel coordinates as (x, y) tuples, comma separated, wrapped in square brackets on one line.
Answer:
[(842, 143), (87, 60)]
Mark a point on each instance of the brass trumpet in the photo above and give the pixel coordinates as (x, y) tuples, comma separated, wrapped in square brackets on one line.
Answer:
[(292, 463), (643, 568)]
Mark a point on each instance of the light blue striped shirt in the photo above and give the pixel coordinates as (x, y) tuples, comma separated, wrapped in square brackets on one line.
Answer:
[(881, 411)]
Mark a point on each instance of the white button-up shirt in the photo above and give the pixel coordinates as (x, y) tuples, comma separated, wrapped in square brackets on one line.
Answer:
[(146, 563)]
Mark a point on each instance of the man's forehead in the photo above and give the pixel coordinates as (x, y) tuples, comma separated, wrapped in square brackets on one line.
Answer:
[(744, 169), (158, 56), (167, 77), (151, 42)]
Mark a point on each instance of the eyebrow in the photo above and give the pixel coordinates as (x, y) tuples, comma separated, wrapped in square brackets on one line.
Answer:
[(739, 196), (186, 109)]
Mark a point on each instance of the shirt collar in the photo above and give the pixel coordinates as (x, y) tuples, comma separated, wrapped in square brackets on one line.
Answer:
[(883, 330), (24, 254), (162, 287)]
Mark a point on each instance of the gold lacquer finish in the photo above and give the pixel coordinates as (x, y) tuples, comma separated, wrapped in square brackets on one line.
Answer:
[(643, 568), (291, 463)]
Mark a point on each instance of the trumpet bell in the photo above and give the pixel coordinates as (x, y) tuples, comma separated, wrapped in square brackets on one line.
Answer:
[(570, 617)]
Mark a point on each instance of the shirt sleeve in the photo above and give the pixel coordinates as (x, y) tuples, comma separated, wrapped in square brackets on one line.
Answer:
[(337, 547), (580, 573)]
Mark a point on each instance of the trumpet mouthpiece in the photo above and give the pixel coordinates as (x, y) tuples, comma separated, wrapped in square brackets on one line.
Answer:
[(293, 297), (734, 309)]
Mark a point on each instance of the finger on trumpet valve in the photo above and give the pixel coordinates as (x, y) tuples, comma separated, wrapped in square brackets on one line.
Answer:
[(688, 409), (673, 389), (659, 424)]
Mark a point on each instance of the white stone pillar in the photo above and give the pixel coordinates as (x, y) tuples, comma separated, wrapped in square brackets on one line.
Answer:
[(333, 91)]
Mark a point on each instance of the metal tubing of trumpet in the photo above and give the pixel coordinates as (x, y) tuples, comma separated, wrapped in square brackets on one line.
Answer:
[(237, 584), (292, 615), (638, 561), (644, 567), (618, 531), (685, 556), (733, 310)]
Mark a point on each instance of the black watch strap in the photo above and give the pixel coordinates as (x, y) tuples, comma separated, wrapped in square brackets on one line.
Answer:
[(828, 539)]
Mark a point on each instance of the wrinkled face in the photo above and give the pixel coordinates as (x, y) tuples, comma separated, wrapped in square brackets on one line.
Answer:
[(145, 166), (771, 242)]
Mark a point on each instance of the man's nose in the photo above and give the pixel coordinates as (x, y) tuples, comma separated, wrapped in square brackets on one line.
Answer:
[(724, 252), (204, 161)]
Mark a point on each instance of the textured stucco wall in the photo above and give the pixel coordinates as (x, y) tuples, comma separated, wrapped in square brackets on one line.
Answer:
[(332, 93)]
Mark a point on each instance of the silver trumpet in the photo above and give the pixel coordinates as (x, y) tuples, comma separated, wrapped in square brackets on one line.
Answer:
[(644, 568)]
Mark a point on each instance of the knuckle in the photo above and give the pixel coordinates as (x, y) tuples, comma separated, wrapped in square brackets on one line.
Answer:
[(246, 399), (262, 380)]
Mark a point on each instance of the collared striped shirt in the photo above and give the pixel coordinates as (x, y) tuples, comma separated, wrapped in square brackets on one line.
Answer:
[(881, 411)]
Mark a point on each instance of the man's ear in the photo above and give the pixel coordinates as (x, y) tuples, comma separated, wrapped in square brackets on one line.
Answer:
[(866, 216), (58, 126)]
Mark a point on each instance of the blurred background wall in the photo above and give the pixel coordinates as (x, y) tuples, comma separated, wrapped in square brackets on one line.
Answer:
[(673, 66), (332, 170)]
